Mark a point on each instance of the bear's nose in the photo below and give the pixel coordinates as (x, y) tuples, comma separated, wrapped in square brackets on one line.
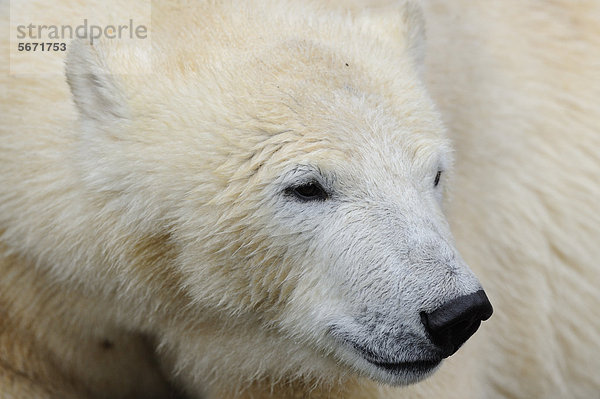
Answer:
[(453, 323)]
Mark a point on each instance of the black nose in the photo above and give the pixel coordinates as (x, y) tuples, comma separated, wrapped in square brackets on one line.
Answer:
[(454, 322)]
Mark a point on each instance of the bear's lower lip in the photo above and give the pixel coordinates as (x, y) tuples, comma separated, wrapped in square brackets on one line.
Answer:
[(414, 366), (421, 366)]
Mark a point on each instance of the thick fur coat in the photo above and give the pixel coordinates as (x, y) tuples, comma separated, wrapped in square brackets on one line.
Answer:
[(153, 242)]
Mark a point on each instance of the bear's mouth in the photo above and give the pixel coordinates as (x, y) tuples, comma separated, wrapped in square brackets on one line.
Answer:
[(420, 366)]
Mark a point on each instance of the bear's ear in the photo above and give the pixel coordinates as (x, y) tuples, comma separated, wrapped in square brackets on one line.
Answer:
[(415, 31), (95, 90), (398, 23)]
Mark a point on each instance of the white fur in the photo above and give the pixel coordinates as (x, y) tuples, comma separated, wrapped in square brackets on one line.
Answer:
[(155, 206)]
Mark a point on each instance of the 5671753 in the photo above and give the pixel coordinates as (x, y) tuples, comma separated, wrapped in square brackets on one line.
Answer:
[(41, 46)]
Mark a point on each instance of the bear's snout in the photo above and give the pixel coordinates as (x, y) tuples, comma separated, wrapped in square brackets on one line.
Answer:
[(453, 323)]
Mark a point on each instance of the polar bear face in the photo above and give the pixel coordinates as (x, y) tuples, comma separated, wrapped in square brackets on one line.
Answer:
[(359, 218), (301, 185)]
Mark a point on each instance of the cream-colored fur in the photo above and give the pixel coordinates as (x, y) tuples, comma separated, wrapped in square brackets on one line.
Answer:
[(518, 83), (122, 232)]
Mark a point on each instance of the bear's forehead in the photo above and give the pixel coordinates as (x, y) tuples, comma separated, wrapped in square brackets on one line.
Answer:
[(291, 92), (330, 97), (316, 111)]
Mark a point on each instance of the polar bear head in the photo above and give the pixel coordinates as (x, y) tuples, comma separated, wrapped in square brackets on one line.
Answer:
[(294, 166)]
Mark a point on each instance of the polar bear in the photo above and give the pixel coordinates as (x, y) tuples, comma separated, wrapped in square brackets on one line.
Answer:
[(264, 208), (261, 215)]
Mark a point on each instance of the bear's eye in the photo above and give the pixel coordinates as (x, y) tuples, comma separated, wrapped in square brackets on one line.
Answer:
[(437, 178), (312, 191)]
